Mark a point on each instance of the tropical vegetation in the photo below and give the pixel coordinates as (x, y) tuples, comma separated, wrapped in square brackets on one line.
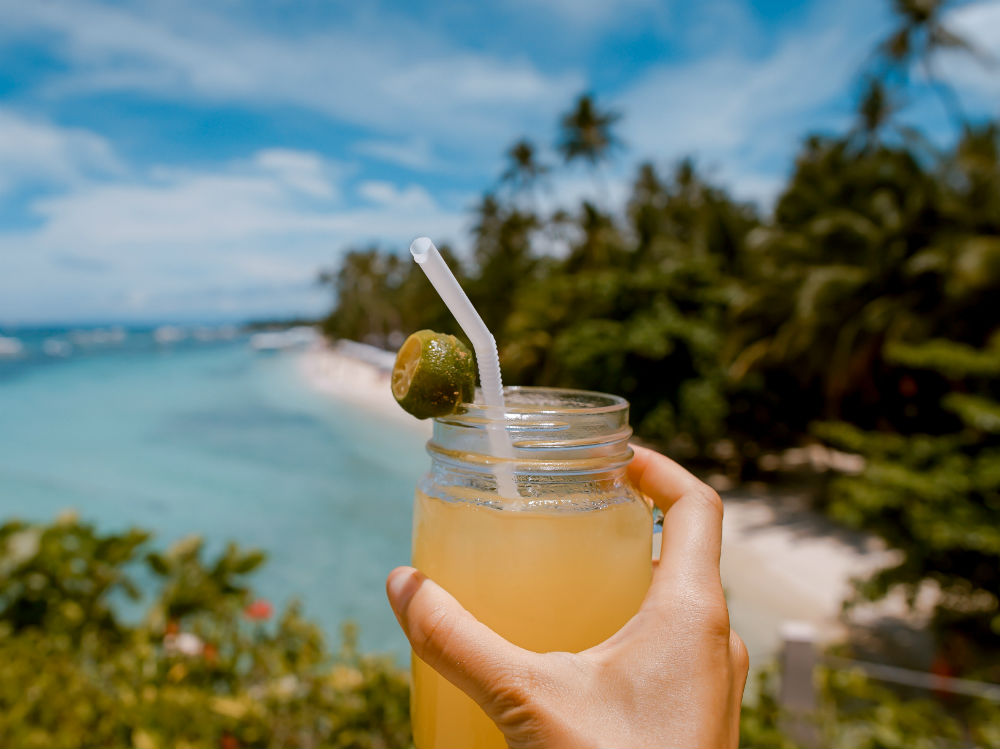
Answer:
[(859, 312), (201, 662)]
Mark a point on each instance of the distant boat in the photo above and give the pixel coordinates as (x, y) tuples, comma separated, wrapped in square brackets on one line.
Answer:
[(167, 334), (99, 336), (204, 334), (208, 334), (10, 347), (56, 347), (280, 340)]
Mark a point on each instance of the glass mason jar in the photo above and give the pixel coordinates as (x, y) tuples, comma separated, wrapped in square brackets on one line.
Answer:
[(561, 568)]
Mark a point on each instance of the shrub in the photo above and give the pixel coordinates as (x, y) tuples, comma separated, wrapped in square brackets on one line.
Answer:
[(204, 665)]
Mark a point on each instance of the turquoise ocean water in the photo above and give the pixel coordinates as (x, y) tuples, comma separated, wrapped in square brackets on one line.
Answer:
[(212, 438)]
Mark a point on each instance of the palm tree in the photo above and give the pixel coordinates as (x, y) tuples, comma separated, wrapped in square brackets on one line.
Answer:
[(921, 33), (601, 246), (523, 167), (832, 283), (645, 209), (586, 132), (364, 286), (875, 109), (974, 173), (503, 258)]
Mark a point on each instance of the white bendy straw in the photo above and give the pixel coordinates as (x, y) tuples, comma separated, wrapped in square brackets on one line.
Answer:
[(485, 346)]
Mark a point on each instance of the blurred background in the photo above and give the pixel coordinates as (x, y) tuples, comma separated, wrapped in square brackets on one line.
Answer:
[(773, 227)]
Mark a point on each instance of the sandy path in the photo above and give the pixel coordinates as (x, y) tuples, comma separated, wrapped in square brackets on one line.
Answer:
[(781, 562)]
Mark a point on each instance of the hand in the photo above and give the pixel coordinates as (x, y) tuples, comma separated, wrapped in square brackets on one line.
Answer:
[(672, 676)]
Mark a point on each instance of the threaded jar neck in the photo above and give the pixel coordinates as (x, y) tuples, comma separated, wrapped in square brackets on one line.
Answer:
[(552, 431)]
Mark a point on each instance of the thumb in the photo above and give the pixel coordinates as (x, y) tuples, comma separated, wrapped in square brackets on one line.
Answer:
[(451, 640)]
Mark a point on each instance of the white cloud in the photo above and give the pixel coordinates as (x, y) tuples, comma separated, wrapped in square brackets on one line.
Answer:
[(979, 24), (244, 238), (414, 152), (719, 26), (747, 112), (592, 14), (754, 187), (305, 172), (464, 79), (249, 234), (386, 194), (433, 90), (724, 103), (38, 152), (568, 189)]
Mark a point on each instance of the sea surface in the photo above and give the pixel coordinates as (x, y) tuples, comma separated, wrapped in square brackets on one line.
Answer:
[(198, 433)]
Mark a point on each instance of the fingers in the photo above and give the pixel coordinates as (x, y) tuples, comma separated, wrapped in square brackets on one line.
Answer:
[(740, 660), (448, 638), (692, 516), (658, 477)]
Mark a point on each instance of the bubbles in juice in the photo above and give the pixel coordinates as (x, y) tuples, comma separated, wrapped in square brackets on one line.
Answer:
[(546, 579)]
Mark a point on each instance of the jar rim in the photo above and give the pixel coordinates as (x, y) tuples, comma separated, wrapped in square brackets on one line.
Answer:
[(525, 400), (551, 429)]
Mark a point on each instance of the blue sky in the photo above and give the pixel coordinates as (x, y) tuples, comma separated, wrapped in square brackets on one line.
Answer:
[(179, 160)]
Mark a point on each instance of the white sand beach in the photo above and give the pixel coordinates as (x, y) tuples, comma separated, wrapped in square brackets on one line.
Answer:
[(783, 562), (357, 374), (780, 560)]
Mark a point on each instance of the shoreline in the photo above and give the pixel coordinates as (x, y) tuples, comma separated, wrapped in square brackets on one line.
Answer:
[(358, 375)]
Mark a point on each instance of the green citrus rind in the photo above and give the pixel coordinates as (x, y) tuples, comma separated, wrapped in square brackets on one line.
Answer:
[(433, 374)]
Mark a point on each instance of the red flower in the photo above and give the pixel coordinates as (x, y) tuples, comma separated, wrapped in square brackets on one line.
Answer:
[(228, 741), (259, 610), (941, 666), (210, 653), (173, 627)]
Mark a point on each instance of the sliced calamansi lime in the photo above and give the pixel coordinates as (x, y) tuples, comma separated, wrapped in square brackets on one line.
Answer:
[(434, 372)]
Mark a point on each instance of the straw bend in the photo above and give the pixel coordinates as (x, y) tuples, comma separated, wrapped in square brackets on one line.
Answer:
[(437, 271), (439, 274)]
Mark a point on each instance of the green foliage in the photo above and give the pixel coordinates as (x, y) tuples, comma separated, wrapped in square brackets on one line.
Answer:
[(760, 719), (950, 358), (975, 411), (203, 667), (63, 577), (811, 315), (639, 310), (862, 311), (936, 498), (631, 334), (189, 586), (857, 712), (869, 254), (379, 296)]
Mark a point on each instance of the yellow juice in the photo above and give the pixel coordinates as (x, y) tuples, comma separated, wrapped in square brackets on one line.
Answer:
[(551, 578)]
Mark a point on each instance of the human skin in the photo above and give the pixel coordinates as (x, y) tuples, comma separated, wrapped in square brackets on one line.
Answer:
[(672, 676)]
